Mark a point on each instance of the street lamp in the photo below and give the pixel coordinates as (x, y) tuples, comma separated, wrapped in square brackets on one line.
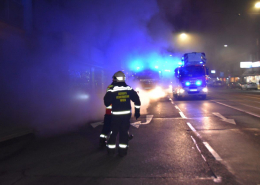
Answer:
[(183, 36), (225, 46), (257, 5)]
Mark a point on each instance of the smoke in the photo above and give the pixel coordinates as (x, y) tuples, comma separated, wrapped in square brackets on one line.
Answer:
[(54, 80)]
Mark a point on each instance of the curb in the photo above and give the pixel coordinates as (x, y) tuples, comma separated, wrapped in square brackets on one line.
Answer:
[(14, 142)]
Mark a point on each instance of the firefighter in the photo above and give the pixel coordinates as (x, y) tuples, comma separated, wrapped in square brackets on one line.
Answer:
[(107, 123), (119, 96)]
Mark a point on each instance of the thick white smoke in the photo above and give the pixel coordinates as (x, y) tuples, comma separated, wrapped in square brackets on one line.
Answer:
[(76, 35)]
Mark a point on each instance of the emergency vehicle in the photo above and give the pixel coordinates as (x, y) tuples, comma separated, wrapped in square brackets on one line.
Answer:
[(192, 76), (150, 83)]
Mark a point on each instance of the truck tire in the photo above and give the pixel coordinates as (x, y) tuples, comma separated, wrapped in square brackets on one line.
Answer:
[(176, 97)]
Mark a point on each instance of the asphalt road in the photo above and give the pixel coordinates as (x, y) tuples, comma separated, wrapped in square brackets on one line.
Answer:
[(213, 141)]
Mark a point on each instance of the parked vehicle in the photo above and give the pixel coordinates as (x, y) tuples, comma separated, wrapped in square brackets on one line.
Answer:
[(217, 84), (234, 85), (248, 86)]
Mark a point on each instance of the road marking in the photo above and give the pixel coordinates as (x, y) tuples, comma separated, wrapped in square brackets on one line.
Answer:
[(16, 135), (256, 115), (176, 107), (148, 119), (194, 130), (138, 123), (171, 100), (191, 127), (182, 115), (215, 178), (251, 96), (94, 125), (212, 151), (183, 118), (248, 100), (250, 106), (232, 121)]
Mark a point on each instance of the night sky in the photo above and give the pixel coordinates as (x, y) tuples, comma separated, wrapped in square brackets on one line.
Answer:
[(218, 22)]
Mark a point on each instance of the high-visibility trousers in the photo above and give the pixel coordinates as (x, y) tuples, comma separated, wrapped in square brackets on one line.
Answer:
[(120, 124), (107, 126)]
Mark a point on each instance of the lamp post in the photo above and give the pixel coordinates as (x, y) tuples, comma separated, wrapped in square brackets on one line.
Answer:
[(257, 6)]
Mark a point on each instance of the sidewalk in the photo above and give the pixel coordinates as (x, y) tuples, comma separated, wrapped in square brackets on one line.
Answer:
[(13, 139)]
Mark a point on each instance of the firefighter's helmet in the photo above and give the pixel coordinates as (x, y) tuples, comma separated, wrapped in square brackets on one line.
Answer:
[(119, 76)]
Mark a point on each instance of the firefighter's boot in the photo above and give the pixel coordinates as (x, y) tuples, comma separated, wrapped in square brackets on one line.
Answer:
[(130, 137), (102, 142)]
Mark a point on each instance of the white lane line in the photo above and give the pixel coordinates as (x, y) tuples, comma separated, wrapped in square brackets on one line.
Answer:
[(216, 178), (252, 96), (171, 100), (256, 115), (249, 106), (212, 151), (191, 127), (182, 115), (176, 107), (194, 130)]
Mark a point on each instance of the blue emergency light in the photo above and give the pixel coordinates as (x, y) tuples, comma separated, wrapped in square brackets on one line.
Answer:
[(198, 83), (187, 83)]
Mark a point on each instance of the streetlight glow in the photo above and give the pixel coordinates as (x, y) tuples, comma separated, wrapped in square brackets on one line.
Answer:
[(183, 36), (257, 5), (225, 46)]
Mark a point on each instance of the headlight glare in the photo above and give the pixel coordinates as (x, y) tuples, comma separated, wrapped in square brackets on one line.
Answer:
[(181, 91), (205, 89)]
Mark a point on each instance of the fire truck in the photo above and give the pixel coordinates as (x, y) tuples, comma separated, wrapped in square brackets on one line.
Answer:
[(191, 76)]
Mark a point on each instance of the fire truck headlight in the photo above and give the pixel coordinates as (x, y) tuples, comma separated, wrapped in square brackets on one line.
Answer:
[(158, 88), (205, 89), (181, 91), (157, 93)]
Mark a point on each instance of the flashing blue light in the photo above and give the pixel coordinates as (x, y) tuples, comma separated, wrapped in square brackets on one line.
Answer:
[(167, 70), (201, 62), (156, 67), (180, 63), (198, 83), (138, 68), (187, 83)]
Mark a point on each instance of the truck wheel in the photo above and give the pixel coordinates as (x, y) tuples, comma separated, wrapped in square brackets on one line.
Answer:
[(176, 97)]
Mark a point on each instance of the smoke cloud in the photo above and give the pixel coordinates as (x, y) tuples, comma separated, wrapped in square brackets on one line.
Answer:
[(54, 79)]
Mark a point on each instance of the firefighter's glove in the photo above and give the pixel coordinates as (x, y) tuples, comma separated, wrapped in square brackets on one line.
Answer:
[(137, 113)]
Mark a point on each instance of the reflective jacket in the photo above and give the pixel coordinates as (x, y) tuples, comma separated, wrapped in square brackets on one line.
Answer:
[(119, 96), (109, 108)]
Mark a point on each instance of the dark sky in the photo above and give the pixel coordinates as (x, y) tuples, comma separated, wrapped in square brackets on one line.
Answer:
[(217, 22)]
